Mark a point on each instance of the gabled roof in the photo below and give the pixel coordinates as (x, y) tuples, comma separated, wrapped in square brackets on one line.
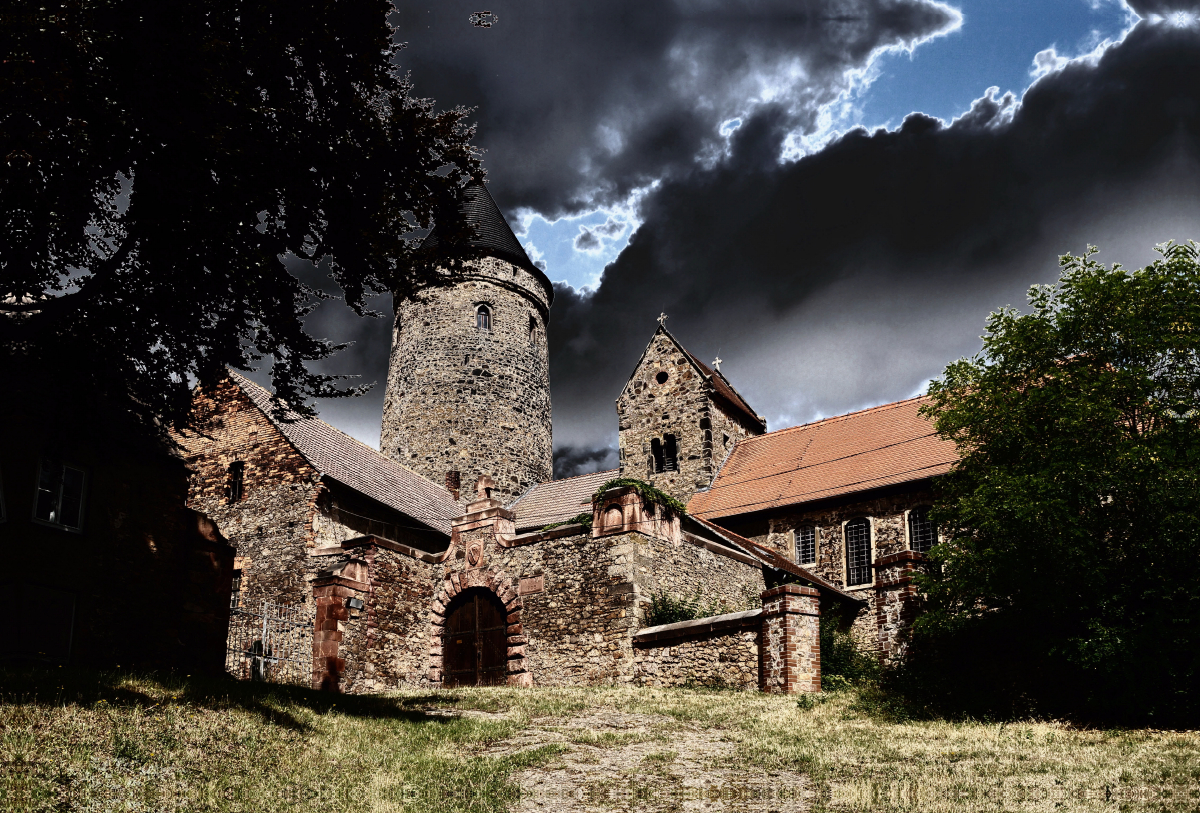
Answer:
[(835, 457), (721, 386), (558, 500), (352, 463), (492, 233)]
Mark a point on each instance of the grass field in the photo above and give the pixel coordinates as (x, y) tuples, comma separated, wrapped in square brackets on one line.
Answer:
[(80, 740)]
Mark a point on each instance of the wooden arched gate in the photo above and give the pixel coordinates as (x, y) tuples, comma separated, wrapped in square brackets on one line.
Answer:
[(475, 640)]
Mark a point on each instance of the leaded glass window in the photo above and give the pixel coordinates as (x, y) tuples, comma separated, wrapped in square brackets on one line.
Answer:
[(858, 551), (806, 545), (922, 534)]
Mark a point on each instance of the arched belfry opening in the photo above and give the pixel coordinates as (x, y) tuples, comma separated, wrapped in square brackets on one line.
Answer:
[(475, 640)]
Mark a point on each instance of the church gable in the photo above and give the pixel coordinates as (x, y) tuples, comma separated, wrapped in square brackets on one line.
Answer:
[(676, 419)]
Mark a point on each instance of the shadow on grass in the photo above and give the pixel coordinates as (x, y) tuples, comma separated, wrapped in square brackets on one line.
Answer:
[(40, 685)]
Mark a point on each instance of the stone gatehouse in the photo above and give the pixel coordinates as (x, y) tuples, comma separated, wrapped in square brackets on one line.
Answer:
[(450, 556)]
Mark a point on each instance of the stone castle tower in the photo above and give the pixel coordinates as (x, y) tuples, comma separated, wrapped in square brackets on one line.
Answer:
[(468, 390)]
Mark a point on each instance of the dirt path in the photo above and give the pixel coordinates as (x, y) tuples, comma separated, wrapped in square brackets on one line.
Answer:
[(619, 761)]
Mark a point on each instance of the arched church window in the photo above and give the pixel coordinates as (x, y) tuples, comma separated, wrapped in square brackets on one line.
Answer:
[(670, 453), (656, 456), (922, 534), (858, 551), (533, 330), (483, 318)]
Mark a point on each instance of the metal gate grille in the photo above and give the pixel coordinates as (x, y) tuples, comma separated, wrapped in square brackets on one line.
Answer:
[(273, 644)]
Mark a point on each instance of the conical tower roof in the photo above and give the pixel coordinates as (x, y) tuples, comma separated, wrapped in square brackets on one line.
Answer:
[(492, 233)]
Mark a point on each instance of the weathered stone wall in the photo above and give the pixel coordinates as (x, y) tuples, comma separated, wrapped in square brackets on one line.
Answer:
[(879, 627), (686, 569), (573, 600), (461, 399), (682, 405), (698, 656), (271, 526)]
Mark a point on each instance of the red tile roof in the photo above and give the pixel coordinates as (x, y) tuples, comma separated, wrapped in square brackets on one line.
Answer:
[(342, 458), (559, 500), (884, 445)]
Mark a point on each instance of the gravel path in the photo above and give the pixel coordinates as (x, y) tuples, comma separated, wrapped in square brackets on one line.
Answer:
[(619, 761)]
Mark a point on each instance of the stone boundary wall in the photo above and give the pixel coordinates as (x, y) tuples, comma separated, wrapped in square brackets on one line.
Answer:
[(717, 652)]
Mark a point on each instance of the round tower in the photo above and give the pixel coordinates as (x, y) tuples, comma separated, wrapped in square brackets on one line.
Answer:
[(468, 389)]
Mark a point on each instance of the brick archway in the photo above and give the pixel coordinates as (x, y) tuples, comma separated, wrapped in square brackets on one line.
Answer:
[(499, 583)]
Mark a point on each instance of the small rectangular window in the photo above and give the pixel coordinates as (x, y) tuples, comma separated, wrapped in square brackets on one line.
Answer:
[(235, 592), (235, 486), (60, 495), (806, 545)]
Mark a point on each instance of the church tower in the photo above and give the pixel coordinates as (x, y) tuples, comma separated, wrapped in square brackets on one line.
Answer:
[(468, 390), (678, 418)]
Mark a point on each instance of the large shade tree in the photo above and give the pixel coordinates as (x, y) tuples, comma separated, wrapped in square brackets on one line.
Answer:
[(1068, 574), (159, 161)]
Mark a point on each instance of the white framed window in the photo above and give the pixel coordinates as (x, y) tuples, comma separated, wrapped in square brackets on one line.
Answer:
[(857, 536), (60, 495), (805, 544), (922, 534)]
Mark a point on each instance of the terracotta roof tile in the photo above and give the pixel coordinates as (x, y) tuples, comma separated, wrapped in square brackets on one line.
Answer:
[(341, 457), (881, 446), (558, 500)]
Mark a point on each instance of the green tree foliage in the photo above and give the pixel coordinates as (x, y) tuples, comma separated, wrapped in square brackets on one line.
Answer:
[(162, 158), (1067, 578)]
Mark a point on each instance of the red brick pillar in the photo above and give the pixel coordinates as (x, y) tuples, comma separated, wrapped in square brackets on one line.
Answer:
[(331, 594), (789, 650)]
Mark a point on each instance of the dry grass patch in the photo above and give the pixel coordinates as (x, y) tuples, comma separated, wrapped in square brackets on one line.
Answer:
[(77, 740)]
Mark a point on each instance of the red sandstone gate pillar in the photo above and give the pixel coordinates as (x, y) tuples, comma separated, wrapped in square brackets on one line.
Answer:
[(331, 594), (789, 652)]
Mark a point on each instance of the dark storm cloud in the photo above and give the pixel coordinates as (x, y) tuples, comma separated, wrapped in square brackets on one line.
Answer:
[(586, 240), (570, 461), (582, 102), (858, 272)]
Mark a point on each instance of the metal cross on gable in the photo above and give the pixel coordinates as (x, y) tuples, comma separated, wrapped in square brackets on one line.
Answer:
[(662, 319), (717, 364)]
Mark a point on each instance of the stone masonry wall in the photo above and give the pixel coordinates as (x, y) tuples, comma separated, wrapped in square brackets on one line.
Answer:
[(461, 399), (271, 526), (573, 602), (681, 405), (723, 659), (685, 570), (385, 644), (887, 617)]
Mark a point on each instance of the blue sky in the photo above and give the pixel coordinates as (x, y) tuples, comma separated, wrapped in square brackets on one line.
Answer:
[(994, 47)]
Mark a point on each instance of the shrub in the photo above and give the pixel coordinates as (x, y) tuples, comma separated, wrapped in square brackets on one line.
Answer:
[(584, 519), (668, 609)]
